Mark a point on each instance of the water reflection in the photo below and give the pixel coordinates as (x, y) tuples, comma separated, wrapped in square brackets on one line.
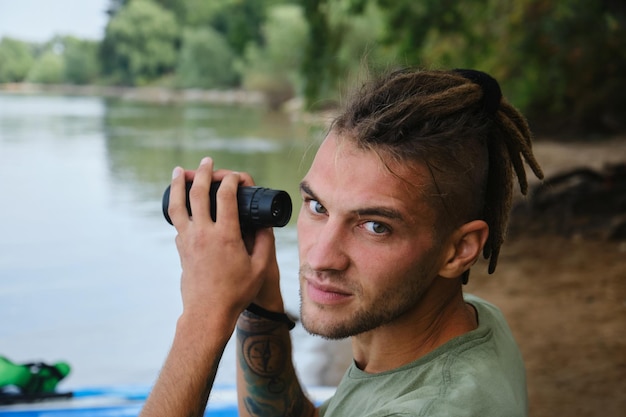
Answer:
[(145, 142), (88, 267)]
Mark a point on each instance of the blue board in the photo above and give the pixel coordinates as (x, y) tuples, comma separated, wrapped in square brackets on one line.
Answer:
[(127, 402)]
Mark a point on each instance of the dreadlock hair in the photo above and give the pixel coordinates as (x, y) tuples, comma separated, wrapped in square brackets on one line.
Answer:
[(457, 124)]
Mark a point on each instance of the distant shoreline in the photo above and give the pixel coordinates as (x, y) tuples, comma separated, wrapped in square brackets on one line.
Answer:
[(166, 96), (159, 95)]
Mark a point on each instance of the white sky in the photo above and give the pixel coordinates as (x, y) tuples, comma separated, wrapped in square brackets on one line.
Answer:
[(40, 20)]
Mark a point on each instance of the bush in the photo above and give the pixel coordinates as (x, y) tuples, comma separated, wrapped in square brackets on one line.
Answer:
[(359, 53), (206, 60), (140, 43), (48, 69), (274, 67), (16, 58), (81, 61)]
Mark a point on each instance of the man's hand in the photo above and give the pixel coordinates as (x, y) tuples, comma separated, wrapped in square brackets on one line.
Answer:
[(221, 274)]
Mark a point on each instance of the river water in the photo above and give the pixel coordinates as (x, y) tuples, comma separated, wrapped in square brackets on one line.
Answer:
[(89, 272)]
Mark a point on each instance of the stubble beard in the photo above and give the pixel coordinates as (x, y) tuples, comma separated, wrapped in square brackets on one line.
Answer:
[(388, 306)]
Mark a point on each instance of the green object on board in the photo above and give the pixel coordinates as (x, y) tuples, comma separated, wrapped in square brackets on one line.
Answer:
[(32, 378)]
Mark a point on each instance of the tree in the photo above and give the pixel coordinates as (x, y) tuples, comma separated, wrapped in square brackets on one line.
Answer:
[(570, 64), (115, 6), (16, 58), (49, 68), (344, 43), (561, 61), (318, 60), (239, 21), (273, 67), (177, 7), (206, 60), (81, 60), (140, 43)]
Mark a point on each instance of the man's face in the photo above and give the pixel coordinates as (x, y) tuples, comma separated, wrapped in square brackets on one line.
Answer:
[(365, 241)]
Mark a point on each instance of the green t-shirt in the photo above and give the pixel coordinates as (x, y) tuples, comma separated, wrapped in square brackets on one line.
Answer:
[(480, 373)]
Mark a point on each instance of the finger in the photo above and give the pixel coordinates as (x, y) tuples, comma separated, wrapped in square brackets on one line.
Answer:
[(190, 175), (264, 244), (245, 179), (227, 213), (177, 208), (263, 256), (199, 192)]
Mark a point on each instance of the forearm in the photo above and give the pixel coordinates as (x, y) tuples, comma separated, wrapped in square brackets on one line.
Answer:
[(221, 275), (186, 379), (267, 381)]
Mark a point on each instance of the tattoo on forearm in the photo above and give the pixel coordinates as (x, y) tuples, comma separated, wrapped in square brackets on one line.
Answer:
[(265, 358)]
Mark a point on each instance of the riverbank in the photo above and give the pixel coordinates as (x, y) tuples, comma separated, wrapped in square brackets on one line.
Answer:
[(168, 96), (160, 95), (565, 299)]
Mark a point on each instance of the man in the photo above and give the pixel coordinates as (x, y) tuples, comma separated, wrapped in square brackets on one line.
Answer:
[(411, 184)]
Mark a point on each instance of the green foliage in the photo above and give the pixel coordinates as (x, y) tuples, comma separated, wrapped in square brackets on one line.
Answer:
[(240, 22), (115, 6), (140, 43), (81, 61), (177, 7), (16, 58), (274, 67), (344, 47), (575, 53), (318, 66), (201, 12), (558, 60), (48, 69), (443, 33), (206, 60), (359, 54)]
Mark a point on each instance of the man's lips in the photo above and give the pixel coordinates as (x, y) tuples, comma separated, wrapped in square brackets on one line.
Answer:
[(324, 293)]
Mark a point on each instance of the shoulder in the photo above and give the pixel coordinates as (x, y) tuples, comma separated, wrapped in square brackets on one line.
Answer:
[(491, 319), (480, 373)]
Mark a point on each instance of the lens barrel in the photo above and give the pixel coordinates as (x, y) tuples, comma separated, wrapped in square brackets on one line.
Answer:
[(259, 207)]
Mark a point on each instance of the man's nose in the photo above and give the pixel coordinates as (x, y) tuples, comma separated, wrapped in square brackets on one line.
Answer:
[(328, 249)]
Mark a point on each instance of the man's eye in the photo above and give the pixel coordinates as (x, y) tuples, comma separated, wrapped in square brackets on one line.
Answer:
[(316, 207), (376, 228)]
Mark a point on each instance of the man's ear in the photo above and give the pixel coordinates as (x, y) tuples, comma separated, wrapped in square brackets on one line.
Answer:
[(464, 247)]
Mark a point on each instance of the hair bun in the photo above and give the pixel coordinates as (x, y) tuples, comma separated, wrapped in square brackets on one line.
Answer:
[(492, 95)]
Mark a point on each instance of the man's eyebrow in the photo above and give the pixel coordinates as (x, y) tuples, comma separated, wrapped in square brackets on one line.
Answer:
[(364, 212), (386, 212), (306, 188)]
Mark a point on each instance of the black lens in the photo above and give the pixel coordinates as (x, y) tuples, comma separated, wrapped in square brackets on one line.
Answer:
[(263, 207), (277, 209), (281, 208)]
